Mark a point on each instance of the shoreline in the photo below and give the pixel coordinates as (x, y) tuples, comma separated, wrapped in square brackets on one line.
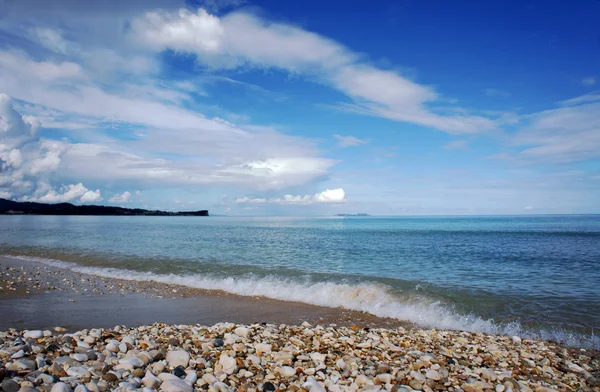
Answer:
[(265, 345), (42, 297)]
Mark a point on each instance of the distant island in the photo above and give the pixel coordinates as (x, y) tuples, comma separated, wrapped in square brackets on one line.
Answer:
[(9, 207), (361, 214)]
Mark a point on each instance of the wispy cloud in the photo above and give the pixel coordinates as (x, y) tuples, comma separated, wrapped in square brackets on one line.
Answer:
[(456, 145), (349, 141), (240, 39), (329, 196), (589, 81)]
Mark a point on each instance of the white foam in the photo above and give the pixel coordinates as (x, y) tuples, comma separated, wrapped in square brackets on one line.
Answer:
[(372, 298)]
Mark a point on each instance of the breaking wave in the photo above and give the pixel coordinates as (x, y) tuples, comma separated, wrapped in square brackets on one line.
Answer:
[(374, 298)]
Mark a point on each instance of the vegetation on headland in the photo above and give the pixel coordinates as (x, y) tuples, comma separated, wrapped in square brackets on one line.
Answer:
[(15, 207)]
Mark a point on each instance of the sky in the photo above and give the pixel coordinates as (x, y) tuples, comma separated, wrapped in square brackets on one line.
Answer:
[(302, 107)]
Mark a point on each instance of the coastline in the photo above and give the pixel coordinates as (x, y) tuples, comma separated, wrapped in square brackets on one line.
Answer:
[(46, 296), (254, 343)]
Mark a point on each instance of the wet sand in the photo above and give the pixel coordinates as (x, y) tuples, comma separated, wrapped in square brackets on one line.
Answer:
[(36, 296)]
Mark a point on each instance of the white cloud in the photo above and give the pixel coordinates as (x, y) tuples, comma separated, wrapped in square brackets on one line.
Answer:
[(51, 39), (183, 31), (586, 98), (73, 192), (589, 81), (566, 134), (349, 141), (456, 145), (528, 208), (241, 39), (328, 196), (26, 161), (124, 197)]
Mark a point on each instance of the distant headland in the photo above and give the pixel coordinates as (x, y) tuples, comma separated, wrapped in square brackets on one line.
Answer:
[(361, 214), (9, 207)]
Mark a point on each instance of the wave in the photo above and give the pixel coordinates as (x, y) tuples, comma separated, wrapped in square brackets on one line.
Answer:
[(374, 298)]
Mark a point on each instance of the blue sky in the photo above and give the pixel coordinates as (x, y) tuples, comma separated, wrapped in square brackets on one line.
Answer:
[(302, 108)]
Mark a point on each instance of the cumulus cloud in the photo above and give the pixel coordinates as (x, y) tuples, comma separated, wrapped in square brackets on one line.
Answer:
[(349, 141), (26, 161), (74, 192), (328, 196), (124, 197)]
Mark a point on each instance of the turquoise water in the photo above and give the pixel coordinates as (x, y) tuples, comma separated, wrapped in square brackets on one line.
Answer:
[(519, 275)]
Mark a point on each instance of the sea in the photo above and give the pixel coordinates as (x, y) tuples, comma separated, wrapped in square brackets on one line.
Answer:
[(531, 276)]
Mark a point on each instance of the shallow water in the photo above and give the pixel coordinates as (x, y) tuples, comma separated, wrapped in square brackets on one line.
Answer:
[(519, 275)]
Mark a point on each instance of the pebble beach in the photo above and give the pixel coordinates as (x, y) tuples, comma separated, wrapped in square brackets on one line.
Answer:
[(269, 357), (347, 351)]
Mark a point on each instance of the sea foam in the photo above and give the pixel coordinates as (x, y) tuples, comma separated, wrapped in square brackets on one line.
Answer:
[(374, 298)]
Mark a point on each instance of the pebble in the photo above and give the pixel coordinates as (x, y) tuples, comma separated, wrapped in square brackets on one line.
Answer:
[(33, 334), (23, 364), (433, 375), (178, 358), (61, 387), (287, 371), (10, 386), (150, 380), (176, 385), (80, 357), (135, 362)]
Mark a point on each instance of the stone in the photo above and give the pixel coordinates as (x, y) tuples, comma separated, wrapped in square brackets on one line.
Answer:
[(242, 331), (135, 362), (263, 348), (178, 358), (28, 389), (176, 385), (23, 364), (471, 388), (489, 375), (167, 376), (179, 371), (80, 357), (81, 388), (219, 342), (414, 384), (417, 376), (312, 385), (33, 334), (383, 378), (228, 363), (287, 371), (113, 347), (433, 375), (18, 354), (575, 368), (79, 372), (110, 377), (150, 380), (45, 379), (191, 377), (61, 387), (10, 386)]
